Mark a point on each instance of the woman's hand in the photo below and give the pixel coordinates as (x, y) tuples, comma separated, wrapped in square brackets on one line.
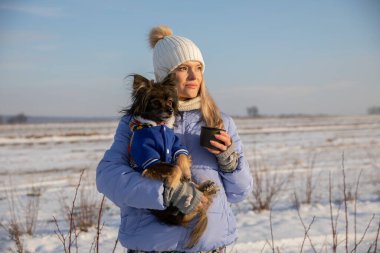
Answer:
[(223, 137)]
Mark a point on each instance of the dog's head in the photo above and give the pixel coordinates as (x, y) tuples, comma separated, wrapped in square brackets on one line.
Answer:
[(154, 101)]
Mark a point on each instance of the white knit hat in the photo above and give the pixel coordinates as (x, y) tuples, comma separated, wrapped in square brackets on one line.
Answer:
[(170, 51)]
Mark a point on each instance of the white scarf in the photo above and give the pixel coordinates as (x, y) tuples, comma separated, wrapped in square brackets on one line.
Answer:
[(189, 105)]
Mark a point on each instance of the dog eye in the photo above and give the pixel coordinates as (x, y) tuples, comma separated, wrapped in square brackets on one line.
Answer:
[(170, 102), (156, 103)]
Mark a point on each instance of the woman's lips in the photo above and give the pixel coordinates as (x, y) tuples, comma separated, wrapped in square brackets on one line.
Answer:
[(191, 86)]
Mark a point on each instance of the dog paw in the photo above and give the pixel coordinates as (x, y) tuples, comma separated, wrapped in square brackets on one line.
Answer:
[(186, 179), (209, 187)]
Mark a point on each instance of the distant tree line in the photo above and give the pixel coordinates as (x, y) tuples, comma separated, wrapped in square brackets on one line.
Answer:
[(373, 110), (253, 111), (20, 118)]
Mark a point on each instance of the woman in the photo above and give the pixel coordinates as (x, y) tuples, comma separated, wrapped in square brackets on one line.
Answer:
[(225, 165)]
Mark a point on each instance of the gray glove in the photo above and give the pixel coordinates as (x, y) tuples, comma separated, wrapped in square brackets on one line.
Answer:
[(186, 197), (228, 160)]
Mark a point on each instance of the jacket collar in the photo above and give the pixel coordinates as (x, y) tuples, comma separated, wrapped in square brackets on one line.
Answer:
[(138, 123)]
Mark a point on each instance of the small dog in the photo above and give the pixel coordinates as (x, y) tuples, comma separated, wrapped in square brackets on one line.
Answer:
[(154, 106)]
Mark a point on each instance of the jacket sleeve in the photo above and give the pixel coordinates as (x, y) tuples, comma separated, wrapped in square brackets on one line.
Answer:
[(119, 182), (143, 149), (178, 148), (239, 183)]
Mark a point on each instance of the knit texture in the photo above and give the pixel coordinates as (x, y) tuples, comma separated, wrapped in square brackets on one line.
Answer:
[(189, 105), (228, 160), (185, 197), (170, 52)]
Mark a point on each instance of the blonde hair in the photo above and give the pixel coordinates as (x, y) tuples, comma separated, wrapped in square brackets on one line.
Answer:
[(210, 112)]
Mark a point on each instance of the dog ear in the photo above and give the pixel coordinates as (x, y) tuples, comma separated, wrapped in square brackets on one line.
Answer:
[(170, 80), (140, 82)]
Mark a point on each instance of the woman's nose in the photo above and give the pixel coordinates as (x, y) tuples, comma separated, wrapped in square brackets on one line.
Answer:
[(190, 74)]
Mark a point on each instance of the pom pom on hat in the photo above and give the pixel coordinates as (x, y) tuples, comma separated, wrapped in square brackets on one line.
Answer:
[(158, 33), (170, 51)]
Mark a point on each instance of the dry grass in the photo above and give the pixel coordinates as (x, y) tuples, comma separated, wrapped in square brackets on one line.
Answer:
[(84, 214), (28, 209), (341, 245), (266, 190), (80, 218), (267, 186), (67, 240)]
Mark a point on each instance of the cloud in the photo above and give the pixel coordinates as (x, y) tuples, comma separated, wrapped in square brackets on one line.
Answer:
[(40, 11)]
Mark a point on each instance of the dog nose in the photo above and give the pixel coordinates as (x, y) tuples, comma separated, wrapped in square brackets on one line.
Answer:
[(170, 110)]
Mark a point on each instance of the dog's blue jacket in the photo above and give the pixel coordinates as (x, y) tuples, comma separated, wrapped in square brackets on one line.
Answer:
[(153, 144), (135, 194)]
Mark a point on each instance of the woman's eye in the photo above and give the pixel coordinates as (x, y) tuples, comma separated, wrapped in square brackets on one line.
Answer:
[(182, 68)]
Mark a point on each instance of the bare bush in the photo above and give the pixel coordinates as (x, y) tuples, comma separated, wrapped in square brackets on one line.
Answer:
[(345, 202), (87, 215), (12, 228), (31, 213), (309, 182), (84, 214), (307, 192), (267, 187), (15, 233), (74, 225), (15, 226), (306, 234), (334, 217), (67, 244), (355, 204), (334, 221)]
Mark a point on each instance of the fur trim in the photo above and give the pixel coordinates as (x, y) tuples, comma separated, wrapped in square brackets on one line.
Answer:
[(169, 123), (158, 33)]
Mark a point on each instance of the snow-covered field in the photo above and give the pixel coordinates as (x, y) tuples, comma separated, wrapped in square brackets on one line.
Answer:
[(285, 154)]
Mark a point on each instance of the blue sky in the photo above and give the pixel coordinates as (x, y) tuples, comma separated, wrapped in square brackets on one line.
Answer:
[(69, 58)]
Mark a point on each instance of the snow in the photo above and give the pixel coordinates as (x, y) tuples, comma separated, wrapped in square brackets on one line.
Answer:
[(286, 153)]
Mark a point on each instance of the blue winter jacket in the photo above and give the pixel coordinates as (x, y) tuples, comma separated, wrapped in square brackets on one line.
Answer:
[(135, 194)]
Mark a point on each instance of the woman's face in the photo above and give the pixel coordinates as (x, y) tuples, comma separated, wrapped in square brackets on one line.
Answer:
[(189, 77)]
